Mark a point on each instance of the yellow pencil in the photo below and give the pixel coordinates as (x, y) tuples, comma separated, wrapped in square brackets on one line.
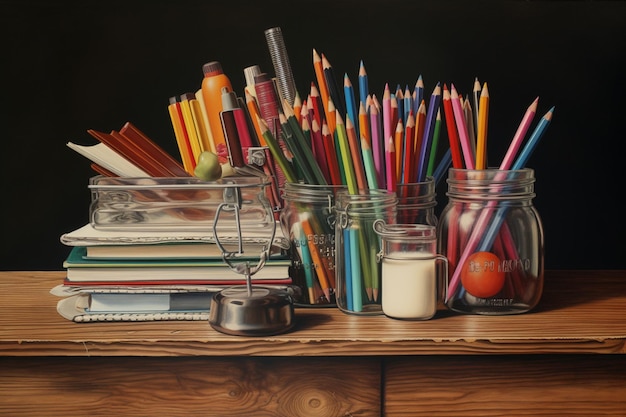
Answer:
[(190, 125)]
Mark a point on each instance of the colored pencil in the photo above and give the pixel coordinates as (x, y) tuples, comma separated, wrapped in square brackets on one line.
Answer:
[(331, 84), (431, 115), (476, 98), (368, 163), (434, 146), (352, 111), (378, 145), (364, 123), (520, 133), (387, 117), (363, 83), (398, 142), (453, 136), (331, 155), (321, 82), (459, 118), (418, 93), (471, 129), (276, 151), (319, 151), (408, 149), (420, 121), (354, 147), (344, 152), (253, 110), (390, 164), (481, 136)]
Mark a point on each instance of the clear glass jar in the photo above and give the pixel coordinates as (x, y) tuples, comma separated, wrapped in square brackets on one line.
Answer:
[(358, 274), (416, 202), (493, 238), (409, 262), (308, 221)]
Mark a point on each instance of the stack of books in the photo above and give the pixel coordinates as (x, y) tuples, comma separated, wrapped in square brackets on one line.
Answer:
[(122, 275), (153, 247)]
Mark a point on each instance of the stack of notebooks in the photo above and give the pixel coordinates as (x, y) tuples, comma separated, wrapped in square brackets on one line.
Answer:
[(150, 249), (152, 275)]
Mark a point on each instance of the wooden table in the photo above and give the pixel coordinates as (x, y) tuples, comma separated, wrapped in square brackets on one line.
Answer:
[(564, 358)]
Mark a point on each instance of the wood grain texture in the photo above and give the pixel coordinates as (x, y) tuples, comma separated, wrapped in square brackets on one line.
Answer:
[(580, 312), (522, 385), (186, 387)]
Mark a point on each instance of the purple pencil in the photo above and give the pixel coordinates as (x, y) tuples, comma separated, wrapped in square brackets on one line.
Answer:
[(431, 114)]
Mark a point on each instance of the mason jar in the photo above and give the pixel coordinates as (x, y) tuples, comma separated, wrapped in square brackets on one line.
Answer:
[(493, 239), (308, 221), (358, 274)]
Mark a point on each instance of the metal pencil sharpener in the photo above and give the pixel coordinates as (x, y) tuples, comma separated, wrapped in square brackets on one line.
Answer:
[(247, 310), (252, 311)]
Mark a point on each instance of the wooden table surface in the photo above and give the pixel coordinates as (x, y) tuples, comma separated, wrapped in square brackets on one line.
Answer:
[(563, 358), (580, 312)]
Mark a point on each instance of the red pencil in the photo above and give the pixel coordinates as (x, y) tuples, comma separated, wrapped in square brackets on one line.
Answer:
[(453, 136), (409, 135), (331, 155)]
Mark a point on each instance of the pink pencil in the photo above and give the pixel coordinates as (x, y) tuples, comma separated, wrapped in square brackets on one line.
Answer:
[(511, 153), (378, 146)]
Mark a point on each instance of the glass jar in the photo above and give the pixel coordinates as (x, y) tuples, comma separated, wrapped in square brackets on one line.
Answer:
[(416, 202), (308, 221), (493, 238), (358, 273), (409, 270)]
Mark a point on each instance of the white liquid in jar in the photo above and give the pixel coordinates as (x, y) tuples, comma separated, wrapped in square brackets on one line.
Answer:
[(409, 285)]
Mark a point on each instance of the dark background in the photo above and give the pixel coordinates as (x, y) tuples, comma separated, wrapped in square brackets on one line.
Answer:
[(69, 66)]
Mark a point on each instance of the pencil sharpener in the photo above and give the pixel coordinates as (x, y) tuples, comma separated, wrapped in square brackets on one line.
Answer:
[(253, 311)]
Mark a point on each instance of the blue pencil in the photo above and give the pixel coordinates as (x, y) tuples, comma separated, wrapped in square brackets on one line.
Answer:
[(352, 110), (364, 89)]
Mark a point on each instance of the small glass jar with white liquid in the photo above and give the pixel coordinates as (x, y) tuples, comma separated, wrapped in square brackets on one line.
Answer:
[(409, 270)]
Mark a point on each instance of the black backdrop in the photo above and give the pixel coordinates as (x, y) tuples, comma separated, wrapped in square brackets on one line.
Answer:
[(69, 66)]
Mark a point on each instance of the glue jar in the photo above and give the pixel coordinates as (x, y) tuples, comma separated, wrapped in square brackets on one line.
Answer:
[(493, 238), (409, 270), (358, 274)]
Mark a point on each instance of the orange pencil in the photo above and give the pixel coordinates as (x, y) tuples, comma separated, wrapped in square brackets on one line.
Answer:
[(297, 107), (481, 137), (322, 275), (398, 141), (253, 109), (321, 83), (420, 122), (364, 123)]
